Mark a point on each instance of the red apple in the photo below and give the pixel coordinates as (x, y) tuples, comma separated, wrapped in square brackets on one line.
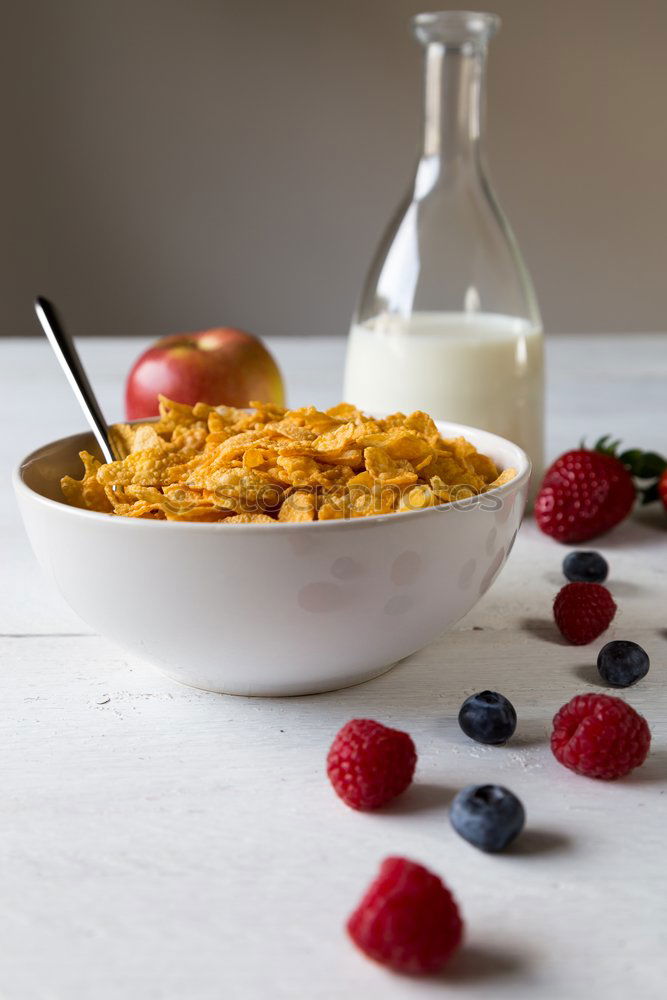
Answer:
[(217, 366)]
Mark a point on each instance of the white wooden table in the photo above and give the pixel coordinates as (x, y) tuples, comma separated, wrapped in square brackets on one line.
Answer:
[(161, 842)]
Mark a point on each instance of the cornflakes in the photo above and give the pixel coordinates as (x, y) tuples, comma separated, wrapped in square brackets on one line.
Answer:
[(268, 465)]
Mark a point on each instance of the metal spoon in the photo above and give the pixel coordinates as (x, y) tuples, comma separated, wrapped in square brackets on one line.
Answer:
[(70, 362)]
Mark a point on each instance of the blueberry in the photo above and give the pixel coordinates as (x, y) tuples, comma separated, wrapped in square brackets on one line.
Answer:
[(487, 816), (487, 717), (585, 567), (622, 663)]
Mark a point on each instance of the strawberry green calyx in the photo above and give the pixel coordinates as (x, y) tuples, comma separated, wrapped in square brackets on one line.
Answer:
[(646, 467)]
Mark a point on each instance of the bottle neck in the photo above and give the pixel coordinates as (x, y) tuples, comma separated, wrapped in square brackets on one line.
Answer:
[(453, 102)]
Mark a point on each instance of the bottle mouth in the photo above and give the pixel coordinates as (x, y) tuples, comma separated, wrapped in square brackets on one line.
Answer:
[(455, 28)]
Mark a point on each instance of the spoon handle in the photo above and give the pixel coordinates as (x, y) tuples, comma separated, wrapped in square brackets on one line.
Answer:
[(66, 352)]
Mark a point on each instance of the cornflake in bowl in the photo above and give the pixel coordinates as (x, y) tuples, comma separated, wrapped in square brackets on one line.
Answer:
[(268, 465)]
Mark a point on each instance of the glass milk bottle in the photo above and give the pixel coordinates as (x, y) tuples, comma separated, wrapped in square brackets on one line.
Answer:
[(448, 321)]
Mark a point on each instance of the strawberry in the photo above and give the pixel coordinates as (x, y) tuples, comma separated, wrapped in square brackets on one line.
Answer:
[(583, 494), (662, 488), (588, 491)]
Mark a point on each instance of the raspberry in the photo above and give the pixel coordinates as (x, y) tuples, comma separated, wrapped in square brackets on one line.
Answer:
[(583, 611), (369, 764), (600, 736), (408, 919)]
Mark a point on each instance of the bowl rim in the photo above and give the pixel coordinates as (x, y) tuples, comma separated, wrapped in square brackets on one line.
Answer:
[(524, 468)]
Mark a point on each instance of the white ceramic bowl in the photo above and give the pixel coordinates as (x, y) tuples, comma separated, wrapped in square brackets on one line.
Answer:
[(284, 609)]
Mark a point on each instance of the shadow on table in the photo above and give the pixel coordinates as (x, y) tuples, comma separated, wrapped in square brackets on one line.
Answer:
[(588, 672), (619, 588), (543, 629), (652, 772), (420, 797), (536, 841), (474, 964), (531, 733), (625, 588), (638, 530)]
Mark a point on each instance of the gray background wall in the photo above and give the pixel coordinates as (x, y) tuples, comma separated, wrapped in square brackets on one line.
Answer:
[(172, 164)]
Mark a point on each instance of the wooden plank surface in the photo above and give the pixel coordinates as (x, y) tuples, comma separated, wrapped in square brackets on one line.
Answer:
[(161, 842)]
